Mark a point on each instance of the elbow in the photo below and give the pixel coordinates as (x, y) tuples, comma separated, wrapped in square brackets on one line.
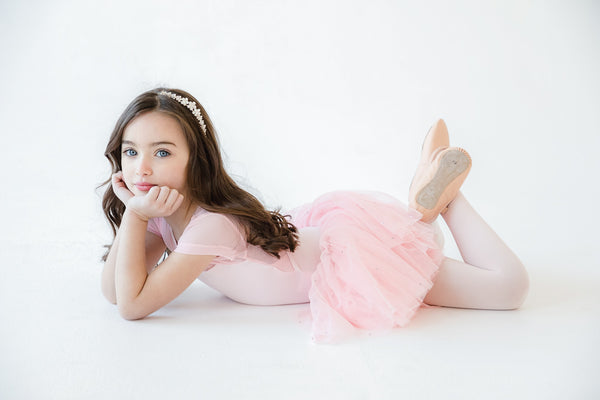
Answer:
[(129, 312), (109, 293), (127, 309), (131, 317)]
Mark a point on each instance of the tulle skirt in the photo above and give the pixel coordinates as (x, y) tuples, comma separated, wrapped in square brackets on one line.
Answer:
[(378, 262)]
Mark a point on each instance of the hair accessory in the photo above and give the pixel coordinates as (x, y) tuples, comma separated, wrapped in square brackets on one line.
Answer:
[(189, 104)]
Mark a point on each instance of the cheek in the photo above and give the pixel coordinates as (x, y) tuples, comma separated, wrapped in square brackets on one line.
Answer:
[(128, 173), (182, 178)]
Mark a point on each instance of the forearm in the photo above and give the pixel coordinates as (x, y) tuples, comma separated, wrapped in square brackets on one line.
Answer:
[(108, 272), (130, 261)]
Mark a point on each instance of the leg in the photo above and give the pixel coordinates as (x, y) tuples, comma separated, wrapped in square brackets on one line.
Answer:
[(491, 276)]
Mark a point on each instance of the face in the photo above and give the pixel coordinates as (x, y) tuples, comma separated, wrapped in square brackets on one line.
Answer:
[(154, 151)]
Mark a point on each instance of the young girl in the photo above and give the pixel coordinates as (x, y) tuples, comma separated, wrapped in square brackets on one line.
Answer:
[(362, 260)]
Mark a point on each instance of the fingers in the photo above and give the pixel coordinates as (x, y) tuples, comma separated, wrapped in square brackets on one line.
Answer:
[(159, 202), (117, 179), (171, 199), (153, 193), (163, 195), (120, 188), (175, 200)]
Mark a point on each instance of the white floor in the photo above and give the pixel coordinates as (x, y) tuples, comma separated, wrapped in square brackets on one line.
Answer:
[(59, 339)]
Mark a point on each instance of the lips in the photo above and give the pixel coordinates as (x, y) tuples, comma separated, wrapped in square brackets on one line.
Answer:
[(143, 186)]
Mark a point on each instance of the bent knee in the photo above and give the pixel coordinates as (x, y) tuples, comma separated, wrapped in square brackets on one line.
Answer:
[(515, 285)]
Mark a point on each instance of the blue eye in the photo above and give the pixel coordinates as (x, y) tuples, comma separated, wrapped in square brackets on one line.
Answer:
[(162, 153), (130, 152)]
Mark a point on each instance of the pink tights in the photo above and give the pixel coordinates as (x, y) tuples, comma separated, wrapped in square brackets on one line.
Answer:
[(491, 276)]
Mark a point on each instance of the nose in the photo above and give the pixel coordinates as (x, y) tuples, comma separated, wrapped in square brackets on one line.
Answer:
[(143, 167)]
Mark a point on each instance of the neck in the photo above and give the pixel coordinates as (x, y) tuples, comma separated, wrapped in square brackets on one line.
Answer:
[(180, 218)]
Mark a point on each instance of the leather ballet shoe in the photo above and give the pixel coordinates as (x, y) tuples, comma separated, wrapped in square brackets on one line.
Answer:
[(437, 137), (436, 185)]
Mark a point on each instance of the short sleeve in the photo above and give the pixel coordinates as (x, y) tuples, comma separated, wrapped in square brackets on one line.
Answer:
[(213, 234), (153, 227)]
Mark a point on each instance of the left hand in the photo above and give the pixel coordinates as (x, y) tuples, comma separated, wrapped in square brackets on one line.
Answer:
[(158, 202), (120, 188)]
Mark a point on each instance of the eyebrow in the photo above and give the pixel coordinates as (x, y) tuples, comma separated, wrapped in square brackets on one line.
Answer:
[(130, 143)]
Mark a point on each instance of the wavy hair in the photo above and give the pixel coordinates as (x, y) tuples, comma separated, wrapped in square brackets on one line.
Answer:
[(209, 185)]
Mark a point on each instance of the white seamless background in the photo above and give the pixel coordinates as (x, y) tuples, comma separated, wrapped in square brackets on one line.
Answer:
[(307, 97)]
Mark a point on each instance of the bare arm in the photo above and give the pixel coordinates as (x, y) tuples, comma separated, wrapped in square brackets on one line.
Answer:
[(138, 293), (127, 278), (155, 248)]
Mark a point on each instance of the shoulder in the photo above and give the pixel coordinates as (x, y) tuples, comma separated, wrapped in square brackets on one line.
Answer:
[(215, 232), (215, 224)]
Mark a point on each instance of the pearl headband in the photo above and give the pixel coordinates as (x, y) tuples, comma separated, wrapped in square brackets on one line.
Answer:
[(189, 104)]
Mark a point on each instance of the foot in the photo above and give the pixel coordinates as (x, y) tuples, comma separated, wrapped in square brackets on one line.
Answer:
[(436, 137), (440, 173)]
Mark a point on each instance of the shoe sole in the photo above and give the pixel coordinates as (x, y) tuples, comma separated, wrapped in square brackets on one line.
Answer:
[(452, 165)]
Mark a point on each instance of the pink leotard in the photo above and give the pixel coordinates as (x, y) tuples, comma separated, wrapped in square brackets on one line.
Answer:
[(365, 260), (241, 271)]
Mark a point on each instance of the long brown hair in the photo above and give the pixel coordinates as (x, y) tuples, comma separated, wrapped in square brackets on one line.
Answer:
[(209, 185)]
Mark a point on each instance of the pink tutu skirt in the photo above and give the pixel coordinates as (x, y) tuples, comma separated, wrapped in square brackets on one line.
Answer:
[(378, 262)]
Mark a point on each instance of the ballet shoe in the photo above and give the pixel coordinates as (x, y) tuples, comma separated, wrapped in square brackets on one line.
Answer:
[(437, 137), (438, 180)]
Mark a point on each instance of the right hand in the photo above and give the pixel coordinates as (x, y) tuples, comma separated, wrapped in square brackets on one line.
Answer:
[(119, 187)]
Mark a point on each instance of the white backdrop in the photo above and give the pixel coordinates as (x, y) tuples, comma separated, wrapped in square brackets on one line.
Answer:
[(310, 96)]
